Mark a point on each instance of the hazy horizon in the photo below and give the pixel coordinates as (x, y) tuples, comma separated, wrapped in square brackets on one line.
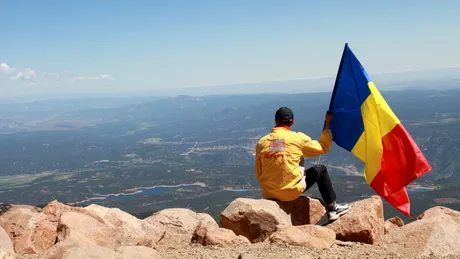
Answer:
[(440, 79)]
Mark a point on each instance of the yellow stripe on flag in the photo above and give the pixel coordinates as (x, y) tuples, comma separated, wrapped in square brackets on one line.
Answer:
[(378, 120)]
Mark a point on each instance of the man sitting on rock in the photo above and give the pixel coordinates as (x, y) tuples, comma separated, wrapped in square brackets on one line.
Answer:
[(278, 158)]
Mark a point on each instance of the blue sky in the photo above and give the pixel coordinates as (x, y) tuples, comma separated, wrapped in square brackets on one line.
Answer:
[(130, 46)]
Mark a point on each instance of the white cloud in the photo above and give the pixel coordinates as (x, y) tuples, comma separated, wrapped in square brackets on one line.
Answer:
[(106, 76), (31, 77), (99, 77), (5, 69), (27, 74), (52, 74), (78, 78)]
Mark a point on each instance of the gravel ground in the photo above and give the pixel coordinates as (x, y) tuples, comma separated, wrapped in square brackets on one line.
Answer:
[(340, 250), (266, 251)]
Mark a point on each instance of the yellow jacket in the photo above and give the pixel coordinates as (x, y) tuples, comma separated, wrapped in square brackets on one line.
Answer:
[(277, 161)]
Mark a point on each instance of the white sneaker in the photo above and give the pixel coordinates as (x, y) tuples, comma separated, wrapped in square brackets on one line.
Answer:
[(337, 211)]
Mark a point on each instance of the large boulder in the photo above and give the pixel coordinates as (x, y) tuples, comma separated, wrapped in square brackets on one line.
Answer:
[(439, 210), (257, 219), (33, 230), (55, 209), (363, 223), (435, 235), (206, 235), (312, 236), (82, 229), (223, 236), (29, 229), (176, 226), (6, 244), (393, 224), (133, 231)]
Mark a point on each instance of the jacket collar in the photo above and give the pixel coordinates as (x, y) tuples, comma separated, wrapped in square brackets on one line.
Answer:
[(281, 127)]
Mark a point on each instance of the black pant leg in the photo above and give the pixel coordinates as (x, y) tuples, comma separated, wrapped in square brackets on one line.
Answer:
[(319, 174)]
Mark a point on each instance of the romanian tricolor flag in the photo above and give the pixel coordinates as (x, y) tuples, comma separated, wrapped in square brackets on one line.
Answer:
[(366, 126)]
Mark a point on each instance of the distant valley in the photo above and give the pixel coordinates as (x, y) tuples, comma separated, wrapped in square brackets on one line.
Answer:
[(196, 151)]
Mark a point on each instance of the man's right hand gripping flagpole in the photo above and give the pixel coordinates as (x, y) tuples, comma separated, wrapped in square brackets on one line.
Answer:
[(327, 122)]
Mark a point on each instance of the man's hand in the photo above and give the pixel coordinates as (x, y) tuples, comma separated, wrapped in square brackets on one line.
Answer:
[(329, 117)]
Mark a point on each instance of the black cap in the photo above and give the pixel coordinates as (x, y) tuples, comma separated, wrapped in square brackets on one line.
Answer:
[(284, 114)]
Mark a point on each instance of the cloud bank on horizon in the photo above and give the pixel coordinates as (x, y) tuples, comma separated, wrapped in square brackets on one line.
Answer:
[(63, 83), (21, 78)]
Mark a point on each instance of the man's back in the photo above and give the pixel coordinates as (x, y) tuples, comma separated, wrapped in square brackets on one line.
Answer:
[(278, 156), (277, 161)]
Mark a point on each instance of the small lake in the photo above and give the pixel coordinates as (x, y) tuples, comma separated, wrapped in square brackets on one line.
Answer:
[(419, 190), (154, 190), (141, 191)]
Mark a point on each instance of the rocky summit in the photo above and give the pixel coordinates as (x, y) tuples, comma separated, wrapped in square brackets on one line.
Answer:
[(248, 228)]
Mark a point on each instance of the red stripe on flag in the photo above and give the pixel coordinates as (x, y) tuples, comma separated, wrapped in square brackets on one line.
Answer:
[(402, 162)]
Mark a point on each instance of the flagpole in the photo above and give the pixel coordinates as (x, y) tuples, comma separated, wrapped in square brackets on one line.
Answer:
[(334, 90), (319, 159), (338, 76)]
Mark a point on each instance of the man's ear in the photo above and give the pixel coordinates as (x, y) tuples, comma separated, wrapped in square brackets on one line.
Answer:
[(292, 122)]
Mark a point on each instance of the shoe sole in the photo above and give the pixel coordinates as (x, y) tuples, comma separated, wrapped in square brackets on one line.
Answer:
[(339, 215)]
